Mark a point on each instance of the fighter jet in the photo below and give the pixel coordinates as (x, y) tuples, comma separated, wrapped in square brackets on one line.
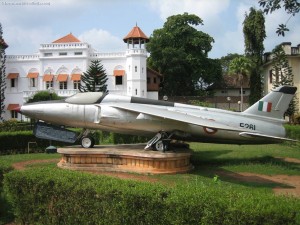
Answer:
[(262, 123)]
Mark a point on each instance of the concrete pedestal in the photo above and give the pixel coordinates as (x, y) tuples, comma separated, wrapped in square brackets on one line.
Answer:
[(125, 158)]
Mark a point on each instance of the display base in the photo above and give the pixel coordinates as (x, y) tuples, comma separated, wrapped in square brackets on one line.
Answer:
[(125, 158)]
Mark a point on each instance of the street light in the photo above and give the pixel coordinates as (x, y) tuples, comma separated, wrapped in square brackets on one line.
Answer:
[(228, 99), (51, 92)]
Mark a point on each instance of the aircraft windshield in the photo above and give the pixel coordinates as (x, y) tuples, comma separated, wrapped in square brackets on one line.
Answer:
[(85, 98)]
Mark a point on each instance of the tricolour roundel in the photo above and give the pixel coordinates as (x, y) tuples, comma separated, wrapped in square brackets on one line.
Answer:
[(210, 130)]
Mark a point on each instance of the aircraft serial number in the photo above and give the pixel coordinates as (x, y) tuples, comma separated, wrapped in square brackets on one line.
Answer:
[(248, 126)]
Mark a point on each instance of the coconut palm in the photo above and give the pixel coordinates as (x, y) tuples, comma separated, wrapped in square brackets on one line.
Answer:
[(240, 66)]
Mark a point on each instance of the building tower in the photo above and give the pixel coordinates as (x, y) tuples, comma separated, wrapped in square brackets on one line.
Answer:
[(136, 62)]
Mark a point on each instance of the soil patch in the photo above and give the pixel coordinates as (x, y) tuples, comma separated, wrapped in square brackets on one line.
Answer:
[(284, 184), (22, 165)]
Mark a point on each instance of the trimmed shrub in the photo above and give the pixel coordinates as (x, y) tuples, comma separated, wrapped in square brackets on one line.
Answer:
[(53, 196), (293, 131), (17, 142)]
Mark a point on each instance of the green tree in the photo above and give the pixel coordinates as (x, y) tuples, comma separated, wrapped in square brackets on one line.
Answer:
[(282, 74), (291, 7), (254, 36), (3, 46), (241, 67), (225, 61), (43, 96), (94, 80), (179, 52)]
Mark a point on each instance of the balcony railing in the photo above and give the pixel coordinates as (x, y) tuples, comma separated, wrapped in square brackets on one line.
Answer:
[(61, 93), (22, 57)]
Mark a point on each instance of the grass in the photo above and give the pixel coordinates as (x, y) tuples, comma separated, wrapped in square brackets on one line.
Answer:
[(213, 162)]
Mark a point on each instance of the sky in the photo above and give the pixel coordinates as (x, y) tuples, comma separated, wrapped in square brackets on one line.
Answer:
[(104, 23)]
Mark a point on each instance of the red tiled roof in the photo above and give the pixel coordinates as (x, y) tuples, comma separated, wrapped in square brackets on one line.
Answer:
[(48, 77), (67, 39), (32, 75), (12, 75), (75, 77), (62, 77), (119, 72), (12, 106), (136, 33)]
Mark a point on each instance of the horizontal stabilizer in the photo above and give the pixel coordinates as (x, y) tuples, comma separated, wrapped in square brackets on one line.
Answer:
[(249, 135)]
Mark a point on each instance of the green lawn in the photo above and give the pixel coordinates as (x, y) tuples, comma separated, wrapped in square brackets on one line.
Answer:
[(211, 162)]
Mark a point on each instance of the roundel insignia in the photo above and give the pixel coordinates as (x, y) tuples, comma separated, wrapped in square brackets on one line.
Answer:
[(210, 130)]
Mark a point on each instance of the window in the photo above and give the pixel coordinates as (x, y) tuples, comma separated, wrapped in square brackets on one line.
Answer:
[(49, 84), (76, 84), (119, 80), (63, 53), (154, 80), (243, 92), (270, 76), (77, 53), (224, 92), (148, 80), (32, 82), (47, 54), (14, 114), (135, 68), (63, 85), (12, 83)]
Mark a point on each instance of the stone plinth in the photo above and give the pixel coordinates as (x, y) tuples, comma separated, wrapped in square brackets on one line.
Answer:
[(125, 158)]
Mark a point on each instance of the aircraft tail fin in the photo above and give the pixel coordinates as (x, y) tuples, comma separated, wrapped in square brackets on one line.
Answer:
[(274, 104)]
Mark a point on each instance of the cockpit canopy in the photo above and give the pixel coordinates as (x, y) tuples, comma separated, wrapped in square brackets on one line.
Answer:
[(86, 98)]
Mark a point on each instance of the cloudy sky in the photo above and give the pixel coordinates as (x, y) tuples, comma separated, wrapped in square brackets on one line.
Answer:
[(103, 23)]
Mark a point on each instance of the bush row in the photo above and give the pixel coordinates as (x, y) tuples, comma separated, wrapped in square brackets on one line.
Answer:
[(53, 196), (17, 142), (293, 131)]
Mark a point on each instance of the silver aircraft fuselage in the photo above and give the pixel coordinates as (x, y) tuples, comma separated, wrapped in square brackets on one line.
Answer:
[(137, 116)]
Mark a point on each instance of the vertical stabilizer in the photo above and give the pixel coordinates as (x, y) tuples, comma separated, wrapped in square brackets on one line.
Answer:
[(274, 104)]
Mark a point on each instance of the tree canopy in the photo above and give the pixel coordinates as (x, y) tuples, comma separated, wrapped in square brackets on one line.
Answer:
[(94, 79), (225, 61), (291, 7), (282, 74), (3, 46), (254, 36), (179, 52), (43, 96)]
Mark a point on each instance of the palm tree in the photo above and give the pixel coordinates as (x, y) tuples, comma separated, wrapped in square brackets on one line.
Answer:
[(240, 66)]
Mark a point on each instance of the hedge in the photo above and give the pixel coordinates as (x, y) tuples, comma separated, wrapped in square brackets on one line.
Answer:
[(54, 196), (293, 131), (17, 142)]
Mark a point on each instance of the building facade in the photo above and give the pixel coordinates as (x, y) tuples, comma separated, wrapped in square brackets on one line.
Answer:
[(293, 57), (59, 65)]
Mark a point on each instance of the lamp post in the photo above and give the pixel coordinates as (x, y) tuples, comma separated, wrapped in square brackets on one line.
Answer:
[(228, 99), (239, 103), (51, 92)]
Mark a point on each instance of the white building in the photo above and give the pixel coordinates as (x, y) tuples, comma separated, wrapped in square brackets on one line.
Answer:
[(293, 58), (61, 63)]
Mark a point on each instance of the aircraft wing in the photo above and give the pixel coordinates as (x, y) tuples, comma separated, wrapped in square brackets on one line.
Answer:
[(249, 135), (175, 116)]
